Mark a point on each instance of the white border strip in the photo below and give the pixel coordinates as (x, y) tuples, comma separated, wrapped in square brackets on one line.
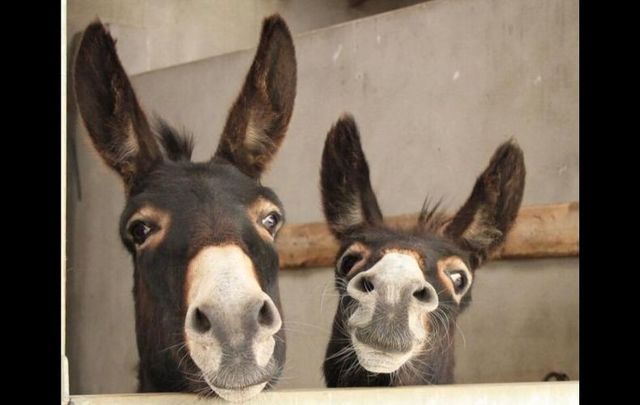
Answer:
[(536, 393), (63, 200)]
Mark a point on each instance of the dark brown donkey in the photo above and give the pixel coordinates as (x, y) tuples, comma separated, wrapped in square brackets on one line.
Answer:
[(208, 314), (401, 290)]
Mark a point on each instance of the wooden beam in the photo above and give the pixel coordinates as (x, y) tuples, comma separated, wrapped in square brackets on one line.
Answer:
[(539, 231), (550, 393)]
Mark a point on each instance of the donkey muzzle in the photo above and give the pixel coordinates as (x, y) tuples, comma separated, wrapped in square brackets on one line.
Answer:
[(392, 301), (230, 323)]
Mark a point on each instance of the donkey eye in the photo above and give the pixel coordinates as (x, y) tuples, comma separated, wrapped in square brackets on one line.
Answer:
[(348, 262), (459, 280), (271, 221), (140, 231)]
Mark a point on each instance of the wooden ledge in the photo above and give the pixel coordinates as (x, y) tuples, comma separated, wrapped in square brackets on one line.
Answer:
[(533, 393), (539, 231)]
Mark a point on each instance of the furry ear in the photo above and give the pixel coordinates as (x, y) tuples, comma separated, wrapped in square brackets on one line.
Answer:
[(258, 120), (116, 123), (347, 197), (482, 224)]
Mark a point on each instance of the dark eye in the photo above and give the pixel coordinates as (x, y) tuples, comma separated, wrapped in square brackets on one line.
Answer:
[(459, 280), (270, 222), (348, 262), (140, 231)]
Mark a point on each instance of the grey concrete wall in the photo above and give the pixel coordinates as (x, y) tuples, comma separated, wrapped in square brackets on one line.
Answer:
[(160, 33), (435, 88)]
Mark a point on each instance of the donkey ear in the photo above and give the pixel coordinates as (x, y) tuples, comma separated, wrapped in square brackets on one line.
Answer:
[(258, 120), (117, 125), (482, 224), (347, 197)]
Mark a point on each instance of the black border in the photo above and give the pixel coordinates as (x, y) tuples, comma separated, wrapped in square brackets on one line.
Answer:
[(36, 344)]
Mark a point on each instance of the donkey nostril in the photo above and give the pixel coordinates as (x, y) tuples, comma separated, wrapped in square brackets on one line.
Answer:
[(265, 315), (423, 294), (200, 321), (365, 285)]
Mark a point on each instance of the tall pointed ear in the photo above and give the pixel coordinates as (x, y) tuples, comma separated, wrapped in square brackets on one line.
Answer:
[(482, 224), (347, 197), (258, 120), (117, 125)]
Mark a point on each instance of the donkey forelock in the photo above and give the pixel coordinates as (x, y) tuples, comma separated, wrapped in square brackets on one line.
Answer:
[(201, 234), (176, 145)]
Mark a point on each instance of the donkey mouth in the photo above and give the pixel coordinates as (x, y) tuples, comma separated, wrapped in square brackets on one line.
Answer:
[(233, 376), (376, 360), (238, 394)]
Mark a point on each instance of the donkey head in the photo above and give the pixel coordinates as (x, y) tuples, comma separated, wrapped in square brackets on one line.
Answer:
[(401, 290), (208, 314)]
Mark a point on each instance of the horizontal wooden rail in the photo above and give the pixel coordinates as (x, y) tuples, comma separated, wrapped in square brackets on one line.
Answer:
[(530, 393), (540, 231)]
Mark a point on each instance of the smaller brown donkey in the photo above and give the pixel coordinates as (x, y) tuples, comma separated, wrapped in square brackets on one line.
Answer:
[(401, 290)]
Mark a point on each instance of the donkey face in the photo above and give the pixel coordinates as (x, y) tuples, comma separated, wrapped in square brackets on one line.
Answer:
[(201, 235), (401, 290)]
